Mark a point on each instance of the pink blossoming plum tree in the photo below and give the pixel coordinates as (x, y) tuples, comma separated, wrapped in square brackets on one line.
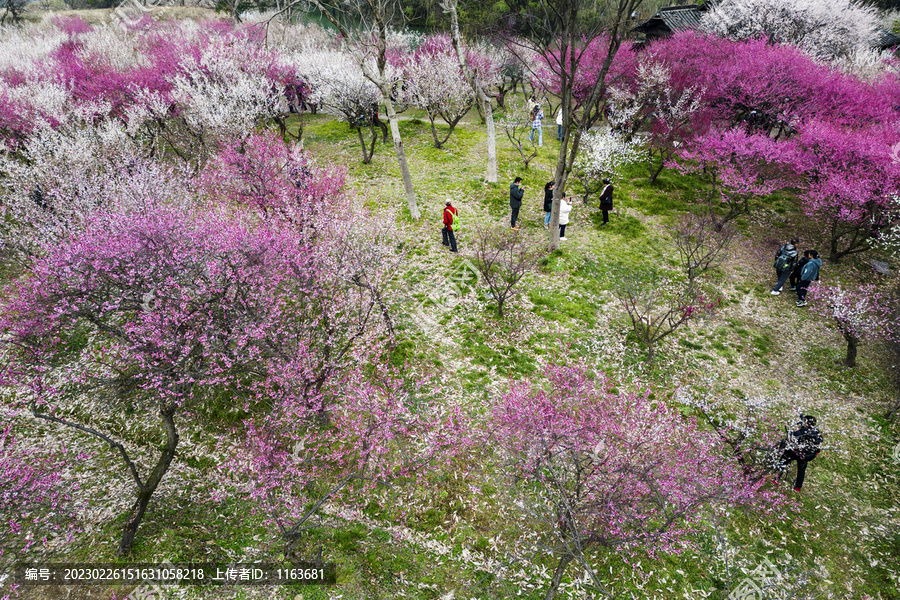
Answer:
[(381, 430), (600, 469), (773, 89), (34, 496), (152, 313), (851, 183), (738, 167), (276, 181)]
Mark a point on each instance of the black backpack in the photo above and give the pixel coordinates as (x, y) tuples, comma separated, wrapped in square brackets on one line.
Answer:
[(784, 260)]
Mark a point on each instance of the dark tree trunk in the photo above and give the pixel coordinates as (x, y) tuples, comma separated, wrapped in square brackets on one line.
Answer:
[(146, 490), (655, 171), (438, 142), (852, 343), (557, 576), (367, 152), (858, 242)]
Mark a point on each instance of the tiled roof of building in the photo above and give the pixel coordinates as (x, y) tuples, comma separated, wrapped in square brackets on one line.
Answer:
[(885, 39), (672, 18), (681, 18)]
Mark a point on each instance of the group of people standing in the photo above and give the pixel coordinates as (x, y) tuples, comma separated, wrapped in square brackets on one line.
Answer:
[(798, 272), (516, 194)]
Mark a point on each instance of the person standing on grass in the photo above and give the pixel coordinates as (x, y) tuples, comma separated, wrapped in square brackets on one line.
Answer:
[(808, 274), (785, 259), (449, 237), (564, 209), (795, 273), (801, 445), (537, 117), (548, 203), (559, 124), (606, 200), (516, 192)]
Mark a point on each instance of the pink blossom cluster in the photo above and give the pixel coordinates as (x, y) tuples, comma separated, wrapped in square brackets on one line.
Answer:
[(276, 181), (34, 499), (805, 124), (213, 73), (629, 470), (359, 432), (589, 59), (172, 285)]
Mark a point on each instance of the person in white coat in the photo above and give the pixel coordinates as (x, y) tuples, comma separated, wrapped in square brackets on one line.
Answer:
[(559, 124), (564, 209)]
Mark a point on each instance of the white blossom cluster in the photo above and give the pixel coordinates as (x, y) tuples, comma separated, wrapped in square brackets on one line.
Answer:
[(69, 173), (437, 85), (824, 29), (654, 97), (606, 152), (890, 240), (337, 83), (226, 91)]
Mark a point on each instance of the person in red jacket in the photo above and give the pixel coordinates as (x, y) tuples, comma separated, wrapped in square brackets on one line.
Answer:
[(449, 238)]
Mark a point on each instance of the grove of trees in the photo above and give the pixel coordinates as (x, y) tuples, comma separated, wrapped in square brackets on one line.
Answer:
[(179, 269)]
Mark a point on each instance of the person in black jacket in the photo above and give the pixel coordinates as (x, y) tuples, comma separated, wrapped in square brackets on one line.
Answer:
[(548, 202), (801, 445), (516, 191), (798, 268), (606, 200)]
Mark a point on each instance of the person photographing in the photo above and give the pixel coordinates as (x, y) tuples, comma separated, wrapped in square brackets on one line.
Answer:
[(516, 193)]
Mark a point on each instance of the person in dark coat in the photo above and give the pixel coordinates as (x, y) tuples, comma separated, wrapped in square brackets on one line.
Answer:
[(548, 202), (516, 191), (785, 260), (798, 268), (801, 445), (606, 200), (449, 238), (808, 274)]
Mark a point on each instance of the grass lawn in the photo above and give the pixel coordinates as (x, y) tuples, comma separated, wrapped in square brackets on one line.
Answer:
[(458, 537)]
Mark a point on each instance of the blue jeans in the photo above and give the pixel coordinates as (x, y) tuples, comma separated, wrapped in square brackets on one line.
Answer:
[(547, 218), (782, 277), (559, 132), (540, 131)]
